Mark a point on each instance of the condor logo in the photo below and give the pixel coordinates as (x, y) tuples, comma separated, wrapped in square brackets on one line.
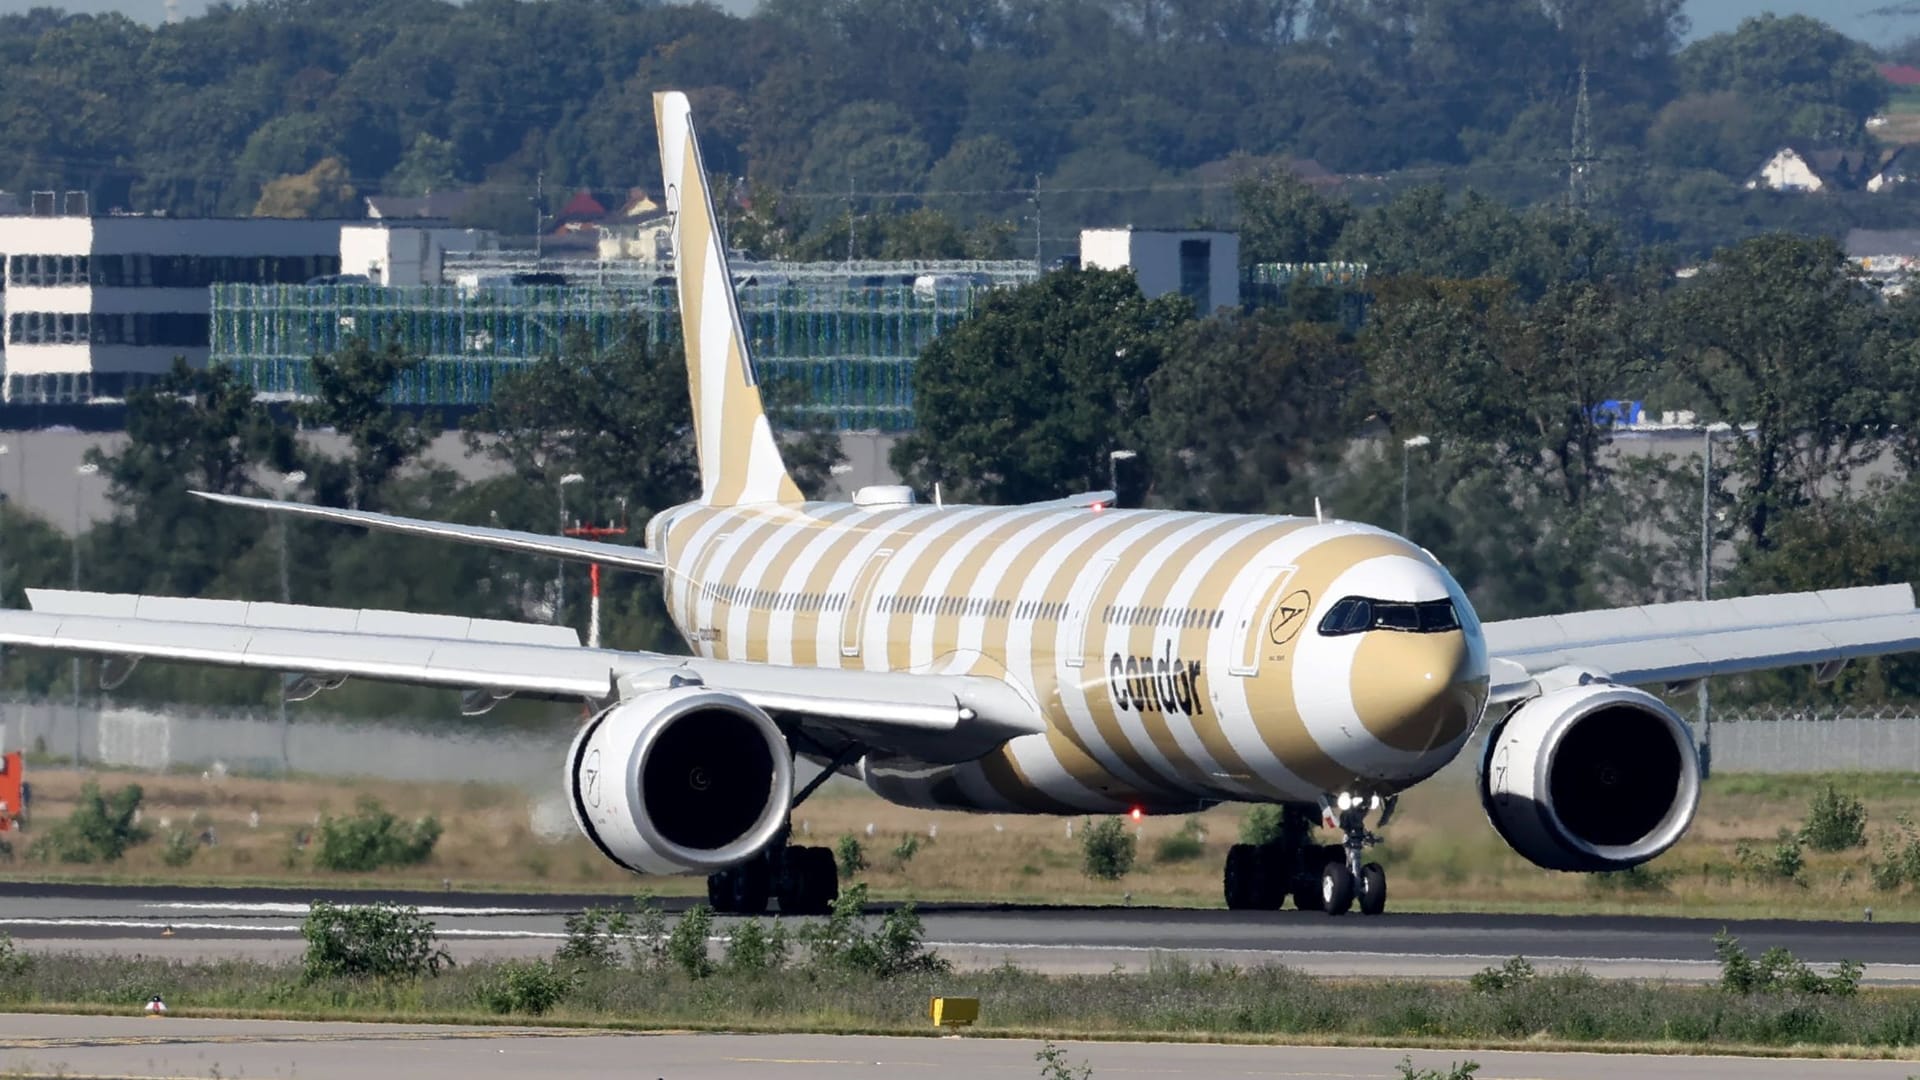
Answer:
[(1162, 684)]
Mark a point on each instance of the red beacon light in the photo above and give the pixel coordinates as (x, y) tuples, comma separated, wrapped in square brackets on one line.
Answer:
[(1136, 814)]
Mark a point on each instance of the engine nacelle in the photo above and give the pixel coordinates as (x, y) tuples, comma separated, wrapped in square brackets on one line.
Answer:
[(1591, 778), (684, 780)]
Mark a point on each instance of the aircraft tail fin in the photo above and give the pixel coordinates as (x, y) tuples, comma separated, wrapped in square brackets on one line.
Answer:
[(739, 459)]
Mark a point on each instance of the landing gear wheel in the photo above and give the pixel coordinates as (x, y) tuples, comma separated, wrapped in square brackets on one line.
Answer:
[(740, 890), (1306, 895), (1249, 880), (1373, 889), (808, 881), (1336, 889)]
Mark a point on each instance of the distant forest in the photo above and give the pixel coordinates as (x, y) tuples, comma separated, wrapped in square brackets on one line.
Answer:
[(1116, 110)]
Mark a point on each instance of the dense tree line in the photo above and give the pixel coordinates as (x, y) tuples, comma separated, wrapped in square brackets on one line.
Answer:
[(1068, 112)]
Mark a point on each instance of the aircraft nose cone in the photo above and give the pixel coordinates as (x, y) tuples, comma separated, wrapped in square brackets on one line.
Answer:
[(1414, 692)]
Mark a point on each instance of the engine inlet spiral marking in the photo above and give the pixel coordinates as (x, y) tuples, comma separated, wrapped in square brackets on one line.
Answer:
[(697, 779)]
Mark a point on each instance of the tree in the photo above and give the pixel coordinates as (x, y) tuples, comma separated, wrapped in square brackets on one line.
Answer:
[(1801, 76), (1246, 409), (1025, 400), (353, 389), (321, 192), (1773, 334), (429, 165), (1285, 219)]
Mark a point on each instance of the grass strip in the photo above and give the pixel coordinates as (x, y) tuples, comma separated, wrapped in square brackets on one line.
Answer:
[(1172, 1001)]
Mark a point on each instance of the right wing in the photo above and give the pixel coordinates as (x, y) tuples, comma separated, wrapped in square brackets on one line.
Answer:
[(1682, 643), (559, 547), (937, 717)]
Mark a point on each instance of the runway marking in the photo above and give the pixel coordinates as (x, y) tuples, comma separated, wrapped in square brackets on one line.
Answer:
[(112, 1041), (252, 928), (274, 908)]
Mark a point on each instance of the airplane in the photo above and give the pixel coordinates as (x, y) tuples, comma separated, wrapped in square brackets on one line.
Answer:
[(1065, 657)]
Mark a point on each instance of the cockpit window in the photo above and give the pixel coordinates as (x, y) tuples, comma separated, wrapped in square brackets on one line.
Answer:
[(1356, 614)]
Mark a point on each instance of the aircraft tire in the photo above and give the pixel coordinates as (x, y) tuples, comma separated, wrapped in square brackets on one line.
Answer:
[(808, 882), (1241, 878), (1336, 889), (1373, 889), (740, 890)]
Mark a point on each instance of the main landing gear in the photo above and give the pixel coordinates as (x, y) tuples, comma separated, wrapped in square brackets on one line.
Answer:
[(1317, 877), (805, 880)]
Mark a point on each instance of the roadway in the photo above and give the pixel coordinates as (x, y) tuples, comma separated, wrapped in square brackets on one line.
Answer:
[(77, 1047), (192, 923)]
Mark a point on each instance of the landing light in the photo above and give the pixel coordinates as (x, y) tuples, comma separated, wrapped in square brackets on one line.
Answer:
[(1346, 802)]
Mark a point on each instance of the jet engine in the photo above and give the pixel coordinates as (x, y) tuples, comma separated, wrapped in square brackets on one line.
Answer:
[(1591, 778), (680, 780)]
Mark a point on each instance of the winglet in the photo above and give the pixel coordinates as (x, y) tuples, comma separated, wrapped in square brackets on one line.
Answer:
[(739, 460)]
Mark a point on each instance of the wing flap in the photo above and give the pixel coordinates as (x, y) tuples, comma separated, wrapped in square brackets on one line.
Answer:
[(557, 547)]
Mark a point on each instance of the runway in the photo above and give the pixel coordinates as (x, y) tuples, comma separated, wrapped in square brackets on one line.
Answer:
[(78, 1047), (264, 923)]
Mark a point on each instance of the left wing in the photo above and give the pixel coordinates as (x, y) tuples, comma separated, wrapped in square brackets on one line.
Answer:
[(1681, 643), (931, 716), (560, 547)]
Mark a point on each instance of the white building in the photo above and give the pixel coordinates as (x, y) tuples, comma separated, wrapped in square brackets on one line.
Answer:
[(96, 305), (407, 254), (1203, 266)]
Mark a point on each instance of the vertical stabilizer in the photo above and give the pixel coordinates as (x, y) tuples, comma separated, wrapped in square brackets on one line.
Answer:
[(739, 460)]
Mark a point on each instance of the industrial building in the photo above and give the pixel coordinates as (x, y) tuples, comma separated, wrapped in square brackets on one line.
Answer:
[(97, 305)]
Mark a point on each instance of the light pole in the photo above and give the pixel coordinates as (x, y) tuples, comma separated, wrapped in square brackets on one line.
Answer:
[(85, 470), (288, 484), (1407, 447), (560, 565), (1114, 458), (1707, 432)]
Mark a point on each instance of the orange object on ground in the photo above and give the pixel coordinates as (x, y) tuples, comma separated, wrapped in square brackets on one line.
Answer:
[(13, 794)]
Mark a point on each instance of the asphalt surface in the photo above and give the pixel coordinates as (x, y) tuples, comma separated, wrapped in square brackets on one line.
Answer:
[(264, 923), (90, 1046)]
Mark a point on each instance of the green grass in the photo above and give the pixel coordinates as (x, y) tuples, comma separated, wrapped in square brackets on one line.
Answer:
[(1174, 1000)]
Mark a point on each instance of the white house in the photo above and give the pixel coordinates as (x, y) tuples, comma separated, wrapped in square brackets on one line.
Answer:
[(406, 254), (1896, 169), (97, 305), (1203, 266)]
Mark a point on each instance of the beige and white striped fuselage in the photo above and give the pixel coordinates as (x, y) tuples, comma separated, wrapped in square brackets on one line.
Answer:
[(1175, 655)]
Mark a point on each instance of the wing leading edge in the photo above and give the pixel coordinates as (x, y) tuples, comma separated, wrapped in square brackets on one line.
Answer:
[(1684, 642), (558, 547)]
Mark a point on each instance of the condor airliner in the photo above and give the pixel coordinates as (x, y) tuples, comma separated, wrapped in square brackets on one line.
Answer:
[(1064, 657)]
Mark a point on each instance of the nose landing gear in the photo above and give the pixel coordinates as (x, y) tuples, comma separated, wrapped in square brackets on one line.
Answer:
[(1317, 877)]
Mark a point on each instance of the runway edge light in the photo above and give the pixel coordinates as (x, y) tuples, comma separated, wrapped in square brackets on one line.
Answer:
[(955, 1011)]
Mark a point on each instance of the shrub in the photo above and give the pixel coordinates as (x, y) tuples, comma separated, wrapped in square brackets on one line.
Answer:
[(179, 849), (752, 948), (1459, 1070), (850, 855), (1899, 857), (649, 945), (384, 941), (1782, 862), (593, 937), (687, 945), (372, 839), (1261, 825), (1779, 970), (100, 829), (13, 962), (908, 847), (1054, 1065), (1183, 846), (1517, 971), (1638, 879), (532, 987), (839, 940), (1835, 822), (1106, 849)]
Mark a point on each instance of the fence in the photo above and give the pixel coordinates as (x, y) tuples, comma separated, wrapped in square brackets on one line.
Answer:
[(1765, 740)]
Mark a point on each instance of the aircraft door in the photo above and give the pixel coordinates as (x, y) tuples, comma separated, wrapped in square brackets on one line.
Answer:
[(1260, 622), (853, 621)]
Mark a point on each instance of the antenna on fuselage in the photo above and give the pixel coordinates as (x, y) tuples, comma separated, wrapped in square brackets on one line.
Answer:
[(1318, 517), (936, 496)]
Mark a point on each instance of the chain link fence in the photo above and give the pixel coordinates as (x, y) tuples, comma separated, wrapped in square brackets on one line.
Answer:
[(1762, 739)]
